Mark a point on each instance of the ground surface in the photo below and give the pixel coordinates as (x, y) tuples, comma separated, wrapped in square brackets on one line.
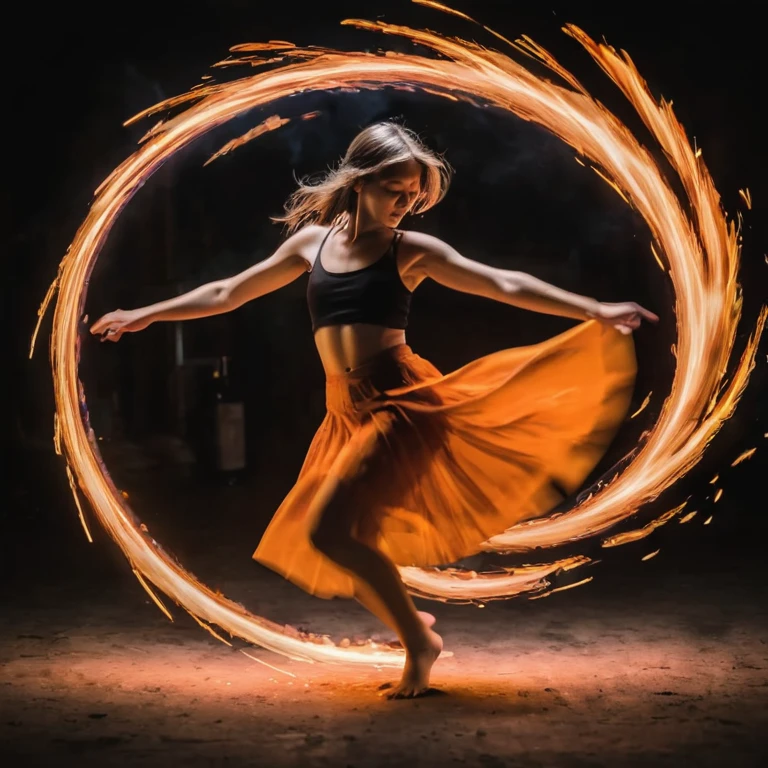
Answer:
[(661, 663)]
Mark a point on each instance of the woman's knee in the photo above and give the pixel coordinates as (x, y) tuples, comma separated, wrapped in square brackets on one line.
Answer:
[(324, 539)]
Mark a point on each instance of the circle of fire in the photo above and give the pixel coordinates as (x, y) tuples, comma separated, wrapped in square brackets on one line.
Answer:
[(699, 251)]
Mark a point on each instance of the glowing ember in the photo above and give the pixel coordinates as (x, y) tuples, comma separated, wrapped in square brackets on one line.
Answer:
[(641, 533), (643, 405), (701, 254), (743, 457), (747, 197), (270, 124)]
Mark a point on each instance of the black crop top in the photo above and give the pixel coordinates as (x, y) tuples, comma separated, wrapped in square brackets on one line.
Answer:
[(374, 294)]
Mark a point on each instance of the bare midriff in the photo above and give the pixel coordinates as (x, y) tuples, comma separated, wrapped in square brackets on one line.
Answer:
[(343, 348)]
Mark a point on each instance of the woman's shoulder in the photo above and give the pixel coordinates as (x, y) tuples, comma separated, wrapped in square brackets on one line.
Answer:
[(307, 241), (419, 243), (308, 234)]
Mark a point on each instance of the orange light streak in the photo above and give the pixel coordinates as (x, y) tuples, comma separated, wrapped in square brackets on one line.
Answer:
[(746, 197), (158, 602), (208, 628), (444, 8), (80, 512), (571, 586), (41, 314), (658, 260), (643, 405), (701, 249), (260, 661), (272, 123), (641, 533), (743, 457)]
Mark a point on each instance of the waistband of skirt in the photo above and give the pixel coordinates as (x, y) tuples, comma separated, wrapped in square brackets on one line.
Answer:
[(396, 353)]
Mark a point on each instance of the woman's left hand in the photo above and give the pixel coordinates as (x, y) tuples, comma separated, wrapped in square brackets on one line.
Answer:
[(624, 316)]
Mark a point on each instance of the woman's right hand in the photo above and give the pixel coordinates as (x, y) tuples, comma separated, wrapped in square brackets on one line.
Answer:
[(114, 324)]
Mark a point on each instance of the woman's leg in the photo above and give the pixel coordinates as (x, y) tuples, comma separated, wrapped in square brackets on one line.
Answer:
[(361, 462), (368, 599)]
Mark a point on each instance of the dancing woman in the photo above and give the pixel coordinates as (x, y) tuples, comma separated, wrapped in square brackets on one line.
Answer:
[(410, 466)]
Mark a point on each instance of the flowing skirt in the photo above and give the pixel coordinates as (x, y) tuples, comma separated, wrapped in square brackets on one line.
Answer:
[(437, 464)]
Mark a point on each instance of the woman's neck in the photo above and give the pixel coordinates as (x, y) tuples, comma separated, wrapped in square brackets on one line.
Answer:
[(354, 230)]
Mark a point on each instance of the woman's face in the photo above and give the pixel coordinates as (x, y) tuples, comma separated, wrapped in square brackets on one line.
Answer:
[(386, 197)]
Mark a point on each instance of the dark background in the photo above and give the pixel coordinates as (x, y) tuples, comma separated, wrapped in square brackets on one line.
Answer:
[(518, 200)]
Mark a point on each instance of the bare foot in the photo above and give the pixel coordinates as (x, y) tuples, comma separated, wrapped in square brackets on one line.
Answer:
[(418, 665)]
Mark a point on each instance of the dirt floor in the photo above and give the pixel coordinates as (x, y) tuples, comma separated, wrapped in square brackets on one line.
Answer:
[(661, 663)]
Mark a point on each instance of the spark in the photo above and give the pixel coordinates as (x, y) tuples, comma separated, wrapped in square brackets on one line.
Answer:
[(56, 435), (747, 197), (688, 517), (612, 184), (272, 123), (208, 628), (718, 494), (571, 586), (158, 602), (76, 497), (261, 661), (640, 533), (708, 520), (698, 242), (444, 9), (562, 589), (658, 260), (650, 555), (743, 457), (41, 314), (272, 45), (643, 406)]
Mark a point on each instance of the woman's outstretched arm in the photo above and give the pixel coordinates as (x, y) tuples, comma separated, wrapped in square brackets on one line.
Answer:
[(285, 265), (431, 257)]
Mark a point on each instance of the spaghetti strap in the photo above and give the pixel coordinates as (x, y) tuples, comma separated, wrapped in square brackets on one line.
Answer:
[(392, 250), (318, 260), (327, 235)]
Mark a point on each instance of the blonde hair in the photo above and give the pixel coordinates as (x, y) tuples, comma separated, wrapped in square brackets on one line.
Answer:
[(332, 197)]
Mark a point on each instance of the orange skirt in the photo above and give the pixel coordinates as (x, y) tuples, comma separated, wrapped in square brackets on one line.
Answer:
[(437, 464)]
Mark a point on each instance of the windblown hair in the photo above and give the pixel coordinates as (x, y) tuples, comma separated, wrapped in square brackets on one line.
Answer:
[(332, 197)]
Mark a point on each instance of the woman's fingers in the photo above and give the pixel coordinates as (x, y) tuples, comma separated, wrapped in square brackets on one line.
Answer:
[(111, 334)]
